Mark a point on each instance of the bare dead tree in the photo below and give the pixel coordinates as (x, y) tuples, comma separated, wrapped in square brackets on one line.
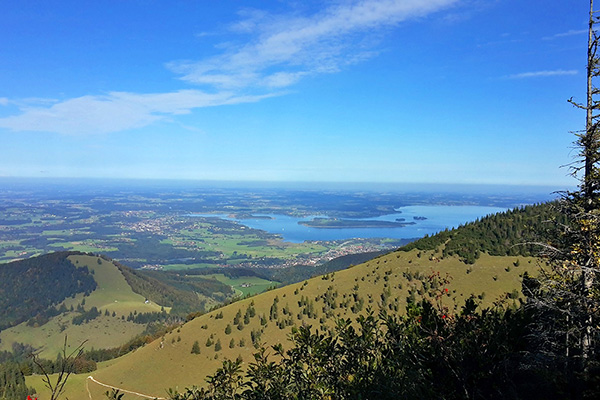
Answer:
[(568, 294), (55, 381), (588, 140)]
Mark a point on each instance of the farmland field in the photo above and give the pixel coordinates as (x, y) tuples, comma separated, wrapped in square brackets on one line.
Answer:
[(247, 285)]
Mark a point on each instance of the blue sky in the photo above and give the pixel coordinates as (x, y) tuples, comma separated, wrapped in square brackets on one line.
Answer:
[(459, 91)]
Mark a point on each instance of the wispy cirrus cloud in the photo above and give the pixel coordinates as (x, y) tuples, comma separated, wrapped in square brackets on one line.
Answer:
[(284, 49), (277, 52), (571, 32), (115, 111), (542, 74)]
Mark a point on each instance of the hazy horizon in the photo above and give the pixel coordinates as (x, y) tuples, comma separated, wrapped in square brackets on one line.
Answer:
[(539, 192)]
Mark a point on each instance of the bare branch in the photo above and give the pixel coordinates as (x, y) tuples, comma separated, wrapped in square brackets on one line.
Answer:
[(66, 369)]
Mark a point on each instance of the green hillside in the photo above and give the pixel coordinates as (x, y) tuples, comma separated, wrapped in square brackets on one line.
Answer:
[(92, 298), (235, 330)]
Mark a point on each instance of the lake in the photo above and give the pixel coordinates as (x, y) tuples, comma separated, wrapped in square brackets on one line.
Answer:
[(437, 218)]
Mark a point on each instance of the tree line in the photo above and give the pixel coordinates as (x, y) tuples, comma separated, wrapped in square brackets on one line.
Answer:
[(517, 232)]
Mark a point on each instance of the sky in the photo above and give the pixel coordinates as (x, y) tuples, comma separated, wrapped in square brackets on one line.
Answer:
[(434, 91)]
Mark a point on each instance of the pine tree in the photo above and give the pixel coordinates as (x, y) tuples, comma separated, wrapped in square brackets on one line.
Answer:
[(196, 348)]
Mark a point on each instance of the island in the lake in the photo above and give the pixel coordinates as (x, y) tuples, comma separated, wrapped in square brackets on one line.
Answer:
[(335, 223), (248, 216)]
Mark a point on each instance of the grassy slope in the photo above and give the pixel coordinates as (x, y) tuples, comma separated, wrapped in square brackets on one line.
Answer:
[(168, 362), (112, 294)]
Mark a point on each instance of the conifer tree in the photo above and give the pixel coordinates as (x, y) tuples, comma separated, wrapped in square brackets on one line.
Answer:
[(196, 348)]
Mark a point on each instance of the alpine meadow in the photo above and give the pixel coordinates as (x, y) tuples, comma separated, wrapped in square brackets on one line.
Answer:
[(335, 199)]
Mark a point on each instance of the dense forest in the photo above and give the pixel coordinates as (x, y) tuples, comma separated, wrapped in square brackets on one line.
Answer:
[(522, 231), (12, 382)]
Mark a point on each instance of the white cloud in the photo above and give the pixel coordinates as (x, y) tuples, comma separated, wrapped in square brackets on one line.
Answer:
[(4, 101), (116, 111), (571, 32), (286, 48), (541, 74), (282, 79), (280, 51)]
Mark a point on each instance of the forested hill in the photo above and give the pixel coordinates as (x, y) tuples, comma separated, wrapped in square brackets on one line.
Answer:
[(299, 273), (29, 288), (511, 233), (172, 290)]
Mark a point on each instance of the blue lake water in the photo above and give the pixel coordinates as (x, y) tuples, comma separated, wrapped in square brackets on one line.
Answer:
[(438, 219)]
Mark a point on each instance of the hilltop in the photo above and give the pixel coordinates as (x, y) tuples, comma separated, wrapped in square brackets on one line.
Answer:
[(28, 288), (88, 297)]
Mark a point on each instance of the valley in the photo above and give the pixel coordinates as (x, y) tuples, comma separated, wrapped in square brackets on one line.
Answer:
[(208, 287)]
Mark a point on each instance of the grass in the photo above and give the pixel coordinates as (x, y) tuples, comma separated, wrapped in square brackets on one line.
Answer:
[(25, 252), (113, 292), (72, 388), (168, 362), (81, 246), (64, 232), (247, 285), (102, 332), (9, 243), (12, 254)]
